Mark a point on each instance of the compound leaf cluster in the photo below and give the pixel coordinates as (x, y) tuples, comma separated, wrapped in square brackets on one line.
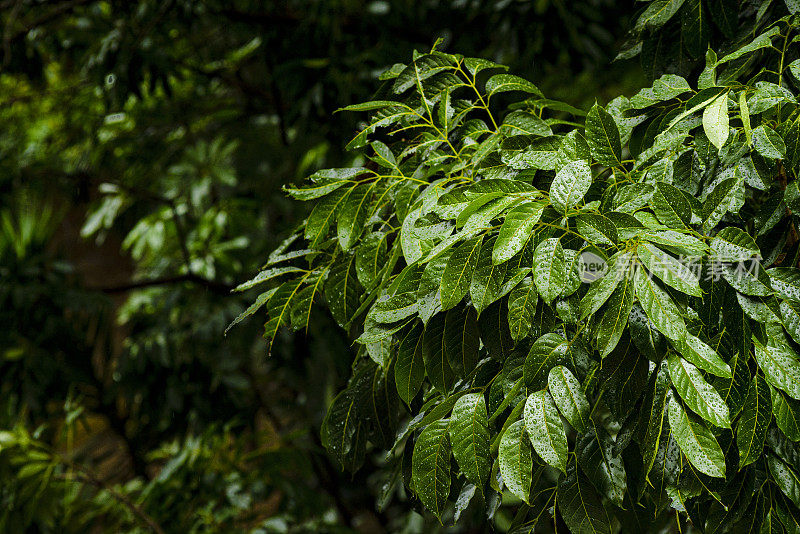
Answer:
[(592, 314)]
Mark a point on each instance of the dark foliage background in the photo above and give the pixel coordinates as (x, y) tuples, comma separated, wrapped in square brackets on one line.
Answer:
[(142, 150)]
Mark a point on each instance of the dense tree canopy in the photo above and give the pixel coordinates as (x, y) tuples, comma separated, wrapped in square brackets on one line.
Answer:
[(455, 256), (143, 149), (432, 328)]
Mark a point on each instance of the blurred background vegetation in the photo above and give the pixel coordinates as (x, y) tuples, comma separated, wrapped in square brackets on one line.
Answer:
[(142, 149)]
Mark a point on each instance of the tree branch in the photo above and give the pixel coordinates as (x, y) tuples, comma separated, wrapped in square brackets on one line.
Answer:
[(212, 285), (86, 476)]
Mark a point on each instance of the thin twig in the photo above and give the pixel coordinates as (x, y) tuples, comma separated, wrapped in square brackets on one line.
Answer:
[(89, 478), (213, 285)]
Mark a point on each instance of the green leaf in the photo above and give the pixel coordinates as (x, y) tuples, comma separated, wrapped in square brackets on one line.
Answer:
[(522, 303), (698, 394), (615, 317), (663, 170), (623, 375), (518, 269), (597, 228), (785, 477), (462, 502), (580, 504), (300, 313), (717, 203), (369, 106), (781, 367), (657, 14), (767, 96), (790, 316), (748, 278), (462, 338), (324, 182), (343, 290), (762, 41), (516, 460), (756, 416), (353, 215), (380, 406), (550, 270), (516, 230), (409, 240), (280, 305), (649, 341), (772, 210), (786, 282), (409, 369), (734, 390), (790, 130), (487, 278), (422, 68), (744, 113), (653, 411), (696, 442), (771, 524), (669, 269), (493, 325), (500, 185), (395, 308), (434, 354), (700, 354), (545, 429), (733, 244), (430, 466), (342, 425), (323, 215), (629, 198), (725, 14), (573, 146), (572, 262), (525, 123), (695, 29), (602, 135), (257, 304), (476, 64), (789, 518), (477, 206), (787, 414), (501, 83), (570, 185), (604, 467), (469, 435), (670, 206), (715, 121), (569, 397), (665, 88), (429, 286), (708, 77), (548, 351), (659, 306), (683, 243), (371, 258), (433, 410), (600, 290), (768, 143), (458, 272), (542, 153)]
